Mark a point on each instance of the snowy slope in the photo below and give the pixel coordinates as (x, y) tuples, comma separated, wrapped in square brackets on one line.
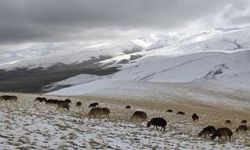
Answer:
[(213, 66), (79, 79), (211, 77), (186, 68)]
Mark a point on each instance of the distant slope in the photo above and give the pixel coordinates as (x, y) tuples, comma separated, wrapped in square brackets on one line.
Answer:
[(209, 76), (187, 68)]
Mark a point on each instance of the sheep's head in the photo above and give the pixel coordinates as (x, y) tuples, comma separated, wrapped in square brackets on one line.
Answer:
[(212, 137), (200, 134), (148, 124)]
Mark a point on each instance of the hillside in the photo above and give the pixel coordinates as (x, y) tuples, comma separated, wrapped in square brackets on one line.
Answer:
[(217, 55)]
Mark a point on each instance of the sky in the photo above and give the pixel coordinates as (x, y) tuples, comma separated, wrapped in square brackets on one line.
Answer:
[(59, 24)]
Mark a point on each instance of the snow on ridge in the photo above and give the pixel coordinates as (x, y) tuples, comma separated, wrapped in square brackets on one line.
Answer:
[(168, 44)]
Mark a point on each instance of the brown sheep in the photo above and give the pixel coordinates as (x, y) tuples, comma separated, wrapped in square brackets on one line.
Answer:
[(78, 104), (106, 111), (244, 121), (207, 131), (139, 115), (93, 105), (8, 98), (98, 112), (157, 122), (228, 122), (222, 132), (63, 105), (195, 117), (242, 128)]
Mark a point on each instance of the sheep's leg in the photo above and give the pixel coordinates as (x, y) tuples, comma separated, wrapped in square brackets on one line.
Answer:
[(156, 128), (220, 139), (230, 139)]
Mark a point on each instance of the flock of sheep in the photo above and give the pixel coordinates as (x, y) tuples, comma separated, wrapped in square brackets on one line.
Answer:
[(95, 111)]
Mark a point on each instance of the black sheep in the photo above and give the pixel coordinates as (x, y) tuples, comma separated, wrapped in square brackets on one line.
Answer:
[(170, 111), (157, 122), (195, 117), (226, 132), (242, 128), (8, 98), (93, 105), (207, 131), (78, 104), (127, 107), (180, 113)]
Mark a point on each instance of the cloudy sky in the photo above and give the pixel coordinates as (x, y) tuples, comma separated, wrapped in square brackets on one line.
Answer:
[(26, 23)]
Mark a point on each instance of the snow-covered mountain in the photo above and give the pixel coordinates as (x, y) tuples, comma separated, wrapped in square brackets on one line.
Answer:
[(165, 44), (212, 77), (207, 66), (218, 56)]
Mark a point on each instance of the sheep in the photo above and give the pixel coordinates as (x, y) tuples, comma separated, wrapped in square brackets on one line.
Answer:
[(78, 104), (226, 132), (67, 100), (207, 131), (180, 113), (52, 101), (170, 111), (157, 122), (97, 112), (242, 128), (8, 98), (93, 105), (228, 122), (139, 115), (40, 99), (63, 104), (106, 111), (244, 121), (127, 107), (195, 117)]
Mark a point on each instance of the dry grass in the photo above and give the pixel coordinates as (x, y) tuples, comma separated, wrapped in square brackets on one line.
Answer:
[(209, 114)]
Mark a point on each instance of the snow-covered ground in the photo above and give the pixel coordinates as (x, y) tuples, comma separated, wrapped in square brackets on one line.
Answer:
[(79, 79), (24, 126)]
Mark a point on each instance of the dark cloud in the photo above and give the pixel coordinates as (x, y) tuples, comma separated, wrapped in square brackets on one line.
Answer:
[(69, 20)]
